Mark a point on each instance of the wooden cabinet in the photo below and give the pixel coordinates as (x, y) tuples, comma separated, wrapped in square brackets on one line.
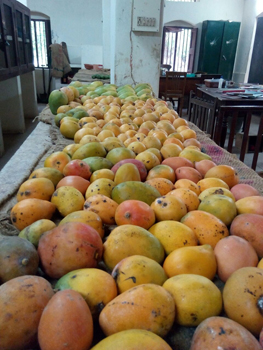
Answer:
[(218, 47), (15, 39)]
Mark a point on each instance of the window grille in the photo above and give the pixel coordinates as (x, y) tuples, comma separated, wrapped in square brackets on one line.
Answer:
[(40, 30), (178, 48), (184, 0)]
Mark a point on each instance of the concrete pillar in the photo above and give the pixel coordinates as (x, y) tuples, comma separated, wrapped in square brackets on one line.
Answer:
[(135, 56), (11, 106), (29, 95)]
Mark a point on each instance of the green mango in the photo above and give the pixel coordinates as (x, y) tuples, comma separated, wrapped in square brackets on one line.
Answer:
[(110, 93), (145, 97), (56, 99), (91, 149), (99, 90), (124, 86), (135, 190), (97, 163), (142, 86), (126, 94), (77, 113), (58, 118), (92, 94), (76, 84), (34, 231), (144, 91), (80, 113), (96, 83), (50, 173), (82, 90), (120, 153), (131, 98)]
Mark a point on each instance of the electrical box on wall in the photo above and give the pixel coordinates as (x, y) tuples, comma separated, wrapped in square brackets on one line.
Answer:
[(146, 15)]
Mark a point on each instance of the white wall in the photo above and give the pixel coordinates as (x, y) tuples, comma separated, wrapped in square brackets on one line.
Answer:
[(78, 24), (106, 33), (197, 12), (135, 54), (24, 2), (252, 9)]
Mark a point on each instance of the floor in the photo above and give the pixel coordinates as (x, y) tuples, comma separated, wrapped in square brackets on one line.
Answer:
[(13, 141)]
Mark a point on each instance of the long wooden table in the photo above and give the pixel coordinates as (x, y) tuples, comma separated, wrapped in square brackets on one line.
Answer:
[(223, 98)]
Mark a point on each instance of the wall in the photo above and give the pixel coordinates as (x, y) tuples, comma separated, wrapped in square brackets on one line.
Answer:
[(135, 54), (252, 9), (79, 24), (197, 12)]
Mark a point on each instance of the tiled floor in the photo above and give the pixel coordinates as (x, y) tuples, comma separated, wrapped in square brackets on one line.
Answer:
[(13, 141)]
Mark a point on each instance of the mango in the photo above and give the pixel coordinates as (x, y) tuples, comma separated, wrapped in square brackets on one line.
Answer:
[(194, 155), (100, 186), (91, 149), (221, 206), (128, 240), (134, 190), (25, 212), (88, 283), (98, 163), (130, 339), (34, 231), (57, 328), (127, 172), (22, 300), (86, 217), (147, 306), (120, 153), (56, 99), (41, 188), (18, 257), (50, 173), (67, 199), (137, 269)]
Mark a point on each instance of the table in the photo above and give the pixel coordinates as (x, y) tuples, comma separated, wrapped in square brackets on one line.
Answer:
[(222, 98), (191, 84)]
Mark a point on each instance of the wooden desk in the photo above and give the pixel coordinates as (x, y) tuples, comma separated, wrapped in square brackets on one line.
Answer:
[(223, 99), (190, 85)]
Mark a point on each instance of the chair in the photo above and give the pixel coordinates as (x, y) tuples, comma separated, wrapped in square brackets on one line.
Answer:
[(174, 89), (227, 113), (202, 113)]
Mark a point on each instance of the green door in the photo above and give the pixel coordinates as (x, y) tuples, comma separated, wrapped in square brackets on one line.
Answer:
[(210, 47), (228, 51)]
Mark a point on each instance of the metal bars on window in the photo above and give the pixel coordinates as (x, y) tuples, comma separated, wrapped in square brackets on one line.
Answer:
[(184, 0), (40, 42), (177, 43)]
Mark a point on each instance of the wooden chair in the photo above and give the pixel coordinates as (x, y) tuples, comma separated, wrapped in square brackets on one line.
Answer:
[(202, 113), (224, 114), (174, 89)]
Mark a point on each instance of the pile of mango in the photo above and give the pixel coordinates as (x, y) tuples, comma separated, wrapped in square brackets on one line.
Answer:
[(78, 92), (130, 235)]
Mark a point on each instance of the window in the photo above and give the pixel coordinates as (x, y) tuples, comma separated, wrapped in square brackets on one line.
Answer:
[(185, 0), (178, 48), (41, 39)]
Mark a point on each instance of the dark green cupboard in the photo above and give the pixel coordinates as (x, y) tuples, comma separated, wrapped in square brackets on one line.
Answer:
[(218, 47)]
